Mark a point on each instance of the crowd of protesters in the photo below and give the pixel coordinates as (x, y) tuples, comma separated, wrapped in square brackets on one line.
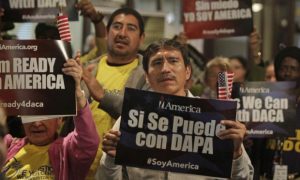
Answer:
[(88, 147)]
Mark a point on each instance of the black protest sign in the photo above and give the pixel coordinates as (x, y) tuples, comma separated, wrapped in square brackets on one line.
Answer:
[(268, 108), (215, 19), (37, 10), (31, 78), (173, 133)]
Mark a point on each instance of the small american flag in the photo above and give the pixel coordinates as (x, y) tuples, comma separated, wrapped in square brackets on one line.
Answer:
[(63, 27), (225, 80)]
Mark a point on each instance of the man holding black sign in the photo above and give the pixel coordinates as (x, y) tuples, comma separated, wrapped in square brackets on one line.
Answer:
[(287, 68), (167, 69)]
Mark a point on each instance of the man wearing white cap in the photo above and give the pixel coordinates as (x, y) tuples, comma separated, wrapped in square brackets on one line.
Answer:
[(44, 155)]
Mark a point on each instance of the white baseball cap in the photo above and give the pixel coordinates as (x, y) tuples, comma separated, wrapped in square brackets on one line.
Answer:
[(29, 119)]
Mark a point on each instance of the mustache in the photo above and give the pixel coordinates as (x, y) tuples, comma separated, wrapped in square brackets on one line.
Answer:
[(121, 39), (164, 77)]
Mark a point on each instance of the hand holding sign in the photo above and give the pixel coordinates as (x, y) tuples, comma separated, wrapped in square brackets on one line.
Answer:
[(73, 68), (236, 132), (110, 142)]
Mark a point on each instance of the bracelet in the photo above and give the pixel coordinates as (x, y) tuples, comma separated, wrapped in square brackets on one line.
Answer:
[(99, 17)]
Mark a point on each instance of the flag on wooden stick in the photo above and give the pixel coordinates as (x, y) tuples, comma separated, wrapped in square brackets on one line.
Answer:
[(225, 80), (63, 27)]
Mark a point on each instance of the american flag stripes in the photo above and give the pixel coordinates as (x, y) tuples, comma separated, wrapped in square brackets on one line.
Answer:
[(63, 27), (225, 80)]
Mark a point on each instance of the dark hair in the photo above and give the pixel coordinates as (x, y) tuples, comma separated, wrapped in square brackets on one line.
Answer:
[(243, 62), (292, 51), (46, 31), (127, 11), (165, 44), (6, 26), (241, 59)]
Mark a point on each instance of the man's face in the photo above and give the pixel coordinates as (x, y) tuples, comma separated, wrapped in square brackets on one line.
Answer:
[(42, 133), (289, 69), (167, 72), (124, 36)]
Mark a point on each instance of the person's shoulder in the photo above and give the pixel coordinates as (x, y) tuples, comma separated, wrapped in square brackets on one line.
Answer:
[(189, 94), (140, 58), (11, 141), (95, 60)]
